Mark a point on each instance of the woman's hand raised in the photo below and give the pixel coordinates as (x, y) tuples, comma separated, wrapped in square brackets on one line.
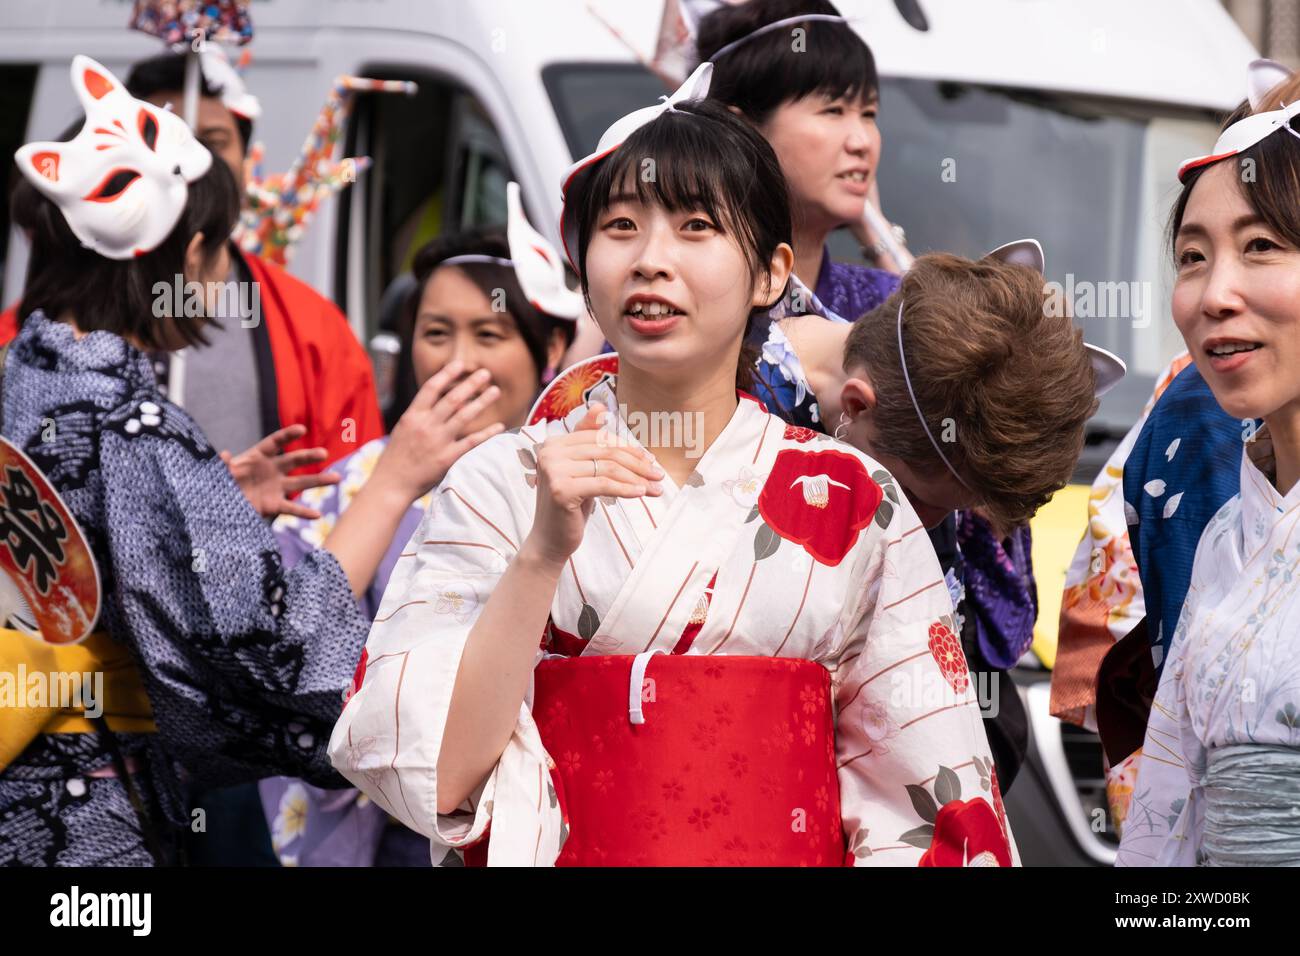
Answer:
[(427, 440), (574, 470), (263, 473), (433, 431)]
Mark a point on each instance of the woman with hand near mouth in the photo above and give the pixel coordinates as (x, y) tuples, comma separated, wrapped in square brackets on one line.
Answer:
[(480, 312), (490, 309), (1219, 776), (712, 626)]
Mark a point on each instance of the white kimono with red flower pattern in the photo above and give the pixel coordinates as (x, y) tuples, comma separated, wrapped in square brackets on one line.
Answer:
[(816, 556)]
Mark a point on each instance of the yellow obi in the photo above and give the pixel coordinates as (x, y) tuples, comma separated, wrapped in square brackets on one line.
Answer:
[(32, 674)]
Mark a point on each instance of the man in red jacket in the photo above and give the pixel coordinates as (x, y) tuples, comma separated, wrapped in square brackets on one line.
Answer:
[(294, 360)]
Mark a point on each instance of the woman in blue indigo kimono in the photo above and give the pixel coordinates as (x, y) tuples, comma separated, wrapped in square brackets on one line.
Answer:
[(241, 663)]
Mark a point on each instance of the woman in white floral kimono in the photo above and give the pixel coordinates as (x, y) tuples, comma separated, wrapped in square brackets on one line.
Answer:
[(746, 651), (1218, 782)]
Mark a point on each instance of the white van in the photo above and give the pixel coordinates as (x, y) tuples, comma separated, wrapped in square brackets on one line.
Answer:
[(1060, 119)]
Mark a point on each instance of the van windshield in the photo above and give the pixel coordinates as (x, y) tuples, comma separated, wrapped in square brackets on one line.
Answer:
[(966, 168)]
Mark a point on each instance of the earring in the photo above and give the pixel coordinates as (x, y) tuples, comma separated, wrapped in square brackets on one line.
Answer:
[(548, 374), (840, 429)]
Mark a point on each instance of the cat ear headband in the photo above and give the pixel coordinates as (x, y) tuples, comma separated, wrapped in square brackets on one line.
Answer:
[(1109, 368)]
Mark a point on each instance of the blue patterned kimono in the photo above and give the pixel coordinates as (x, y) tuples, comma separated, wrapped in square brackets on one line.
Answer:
[(1185, 464), (244, 663), (847, 290)]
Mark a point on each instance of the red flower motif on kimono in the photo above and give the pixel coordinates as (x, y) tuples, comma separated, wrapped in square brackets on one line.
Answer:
[(948, 655), (799, 434), (809, 733), (820, 500), (358, 676), (604, 781), (967, 833)]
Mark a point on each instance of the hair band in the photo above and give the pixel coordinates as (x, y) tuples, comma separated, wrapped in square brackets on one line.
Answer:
[(916, 405), (776, 25)]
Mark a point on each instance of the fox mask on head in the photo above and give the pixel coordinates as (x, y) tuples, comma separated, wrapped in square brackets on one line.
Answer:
[(122, 182)]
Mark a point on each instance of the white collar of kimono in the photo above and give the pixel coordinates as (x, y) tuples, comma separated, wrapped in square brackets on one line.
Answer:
[(1262, 505), (605, 392), (123, 181)]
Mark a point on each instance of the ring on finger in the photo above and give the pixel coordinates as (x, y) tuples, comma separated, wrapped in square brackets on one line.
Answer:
[(595, 468)]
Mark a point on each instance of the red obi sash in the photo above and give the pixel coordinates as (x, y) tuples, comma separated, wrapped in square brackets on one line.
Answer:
[(734, 764)]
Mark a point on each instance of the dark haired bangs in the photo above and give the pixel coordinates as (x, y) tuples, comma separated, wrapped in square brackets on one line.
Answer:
[(1273, 193), (693, 168), (705, 158), (835, 63), (764, 72)]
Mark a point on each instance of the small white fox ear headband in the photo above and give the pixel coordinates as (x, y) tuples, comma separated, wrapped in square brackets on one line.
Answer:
[(1109, 368), (1262, 77), (122, 182), (576, 176), (536, 263)]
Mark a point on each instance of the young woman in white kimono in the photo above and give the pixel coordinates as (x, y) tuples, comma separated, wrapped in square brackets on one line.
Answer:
[(1218, 782), (746, 648)]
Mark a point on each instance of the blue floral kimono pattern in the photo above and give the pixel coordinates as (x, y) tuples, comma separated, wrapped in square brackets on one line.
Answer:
[(244, 663), (850, 292)]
